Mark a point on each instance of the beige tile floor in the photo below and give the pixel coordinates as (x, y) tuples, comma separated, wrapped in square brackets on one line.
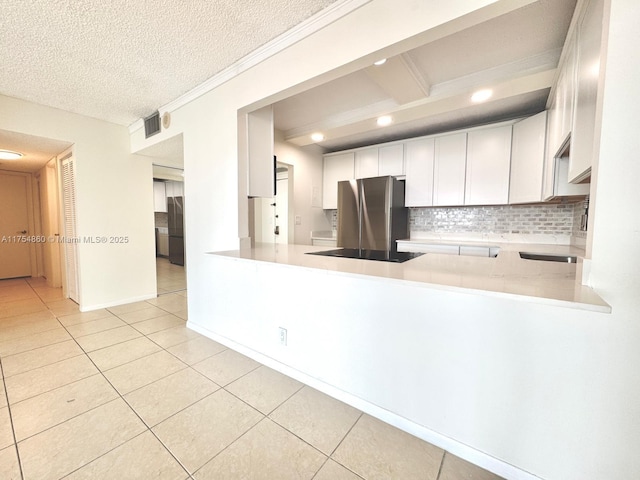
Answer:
[(129, 392), (171, 278)]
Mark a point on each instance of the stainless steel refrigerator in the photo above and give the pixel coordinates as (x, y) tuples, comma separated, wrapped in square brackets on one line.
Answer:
[(371, 214), (175, 210)]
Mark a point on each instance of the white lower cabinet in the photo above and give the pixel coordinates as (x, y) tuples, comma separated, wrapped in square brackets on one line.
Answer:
[(337, 168), (450, 153), (163, 244), (488, 166), (527, 159), (419, 156)]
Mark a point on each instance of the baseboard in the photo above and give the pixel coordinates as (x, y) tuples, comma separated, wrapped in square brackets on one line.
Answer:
[(89, 308), (451, 445)]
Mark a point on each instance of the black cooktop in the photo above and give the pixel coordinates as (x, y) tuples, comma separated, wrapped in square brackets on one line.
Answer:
[(380, 255)]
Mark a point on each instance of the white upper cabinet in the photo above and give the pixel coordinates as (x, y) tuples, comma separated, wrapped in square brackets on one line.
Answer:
[(391, 160), (174, 189), (159, 197), (337, 168), (450, 153), (527, 159), (588, 57), (488, 162), (366, 163), (419, 156), (560, 121)]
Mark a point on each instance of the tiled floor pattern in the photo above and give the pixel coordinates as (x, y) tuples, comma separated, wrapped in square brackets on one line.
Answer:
[(170, 277), (129, 392)]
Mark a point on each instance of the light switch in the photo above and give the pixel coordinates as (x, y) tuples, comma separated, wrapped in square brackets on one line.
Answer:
[(298, 220)]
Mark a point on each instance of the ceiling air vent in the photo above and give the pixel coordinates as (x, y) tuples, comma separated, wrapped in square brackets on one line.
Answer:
[(152, 125)]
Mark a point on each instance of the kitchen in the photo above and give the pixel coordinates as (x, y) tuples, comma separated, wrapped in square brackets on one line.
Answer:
[(501, 183), (503, 381)]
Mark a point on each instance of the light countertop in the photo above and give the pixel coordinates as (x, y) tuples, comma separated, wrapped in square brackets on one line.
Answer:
[(506, 276)]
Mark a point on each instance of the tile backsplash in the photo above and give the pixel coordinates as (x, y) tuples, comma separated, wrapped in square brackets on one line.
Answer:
[(558, 220), (161, 219)]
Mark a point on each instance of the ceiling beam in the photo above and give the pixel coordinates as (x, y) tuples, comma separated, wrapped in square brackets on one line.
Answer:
[(427, 107), (400, 79)]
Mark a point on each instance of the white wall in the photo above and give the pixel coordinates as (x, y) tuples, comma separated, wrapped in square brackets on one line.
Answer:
[(114, 198), (307, 175), (615, 269), (552, 391)]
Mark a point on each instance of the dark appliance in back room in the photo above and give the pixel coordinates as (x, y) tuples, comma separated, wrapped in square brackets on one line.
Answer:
[(175, 211)]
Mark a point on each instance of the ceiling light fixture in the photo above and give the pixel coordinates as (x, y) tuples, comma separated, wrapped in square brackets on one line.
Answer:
[(382, 61), (481, 95), (317, 137), (384, 121), (9, 155)]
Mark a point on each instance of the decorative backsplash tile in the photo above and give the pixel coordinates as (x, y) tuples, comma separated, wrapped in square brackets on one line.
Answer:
[(539, 219), (555, 219), (161, 219)]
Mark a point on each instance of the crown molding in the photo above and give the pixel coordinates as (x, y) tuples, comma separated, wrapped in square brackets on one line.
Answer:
[(304, 29)]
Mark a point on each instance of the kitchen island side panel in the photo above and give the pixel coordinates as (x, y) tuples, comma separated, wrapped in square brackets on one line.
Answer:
[(492, 377)]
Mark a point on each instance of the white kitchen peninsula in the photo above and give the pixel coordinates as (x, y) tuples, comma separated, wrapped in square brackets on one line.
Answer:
[(453, 334)]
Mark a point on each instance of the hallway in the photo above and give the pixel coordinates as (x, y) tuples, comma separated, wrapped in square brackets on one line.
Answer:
[(130, 392)]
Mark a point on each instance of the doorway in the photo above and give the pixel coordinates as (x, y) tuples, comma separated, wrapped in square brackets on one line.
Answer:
[(273, 216), (15, 231)]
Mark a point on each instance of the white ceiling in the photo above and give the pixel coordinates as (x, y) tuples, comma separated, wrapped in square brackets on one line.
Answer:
[(37, 151), (119, 60), (427, 90)]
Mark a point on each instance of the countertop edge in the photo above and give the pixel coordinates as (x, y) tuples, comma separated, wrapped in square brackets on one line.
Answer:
[(592, 307)]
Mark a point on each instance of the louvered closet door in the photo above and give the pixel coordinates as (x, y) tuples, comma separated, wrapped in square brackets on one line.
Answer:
[(70, 245)]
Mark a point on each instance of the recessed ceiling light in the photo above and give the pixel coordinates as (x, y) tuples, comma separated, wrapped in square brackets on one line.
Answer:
[(317, 137), (382, 61), (481, 95), (384, 121), (9, 155)]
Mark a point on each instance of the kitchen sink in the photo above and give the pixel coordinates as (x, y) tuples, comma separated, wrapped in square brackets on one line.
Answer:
[(548, 257)]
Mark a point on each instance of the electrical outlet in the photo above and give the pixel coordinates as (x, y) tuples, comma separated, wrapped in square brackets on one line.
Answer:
[(298, 220), (283, 336)]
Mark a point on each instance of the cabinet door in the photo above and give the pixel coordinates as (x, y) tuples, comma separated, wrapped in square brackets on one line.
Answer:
[(366, 163), (582, 137), (336, 168), (567, 94), (488, 162), (527, 159), (391, 160), (550, 160), (449, 170), (419, 157), (159, 197)]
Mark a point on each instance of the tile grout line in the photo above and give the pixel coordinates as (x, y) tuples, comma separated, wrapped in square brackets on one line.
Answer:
[(342, 441), (6, 394), (444, 453), (148, 428), (13, 430)]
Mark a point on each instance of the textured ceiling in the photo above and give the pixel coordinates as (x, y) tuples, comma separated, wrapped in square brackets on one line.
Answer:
[(119, 60), (37, 151)]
